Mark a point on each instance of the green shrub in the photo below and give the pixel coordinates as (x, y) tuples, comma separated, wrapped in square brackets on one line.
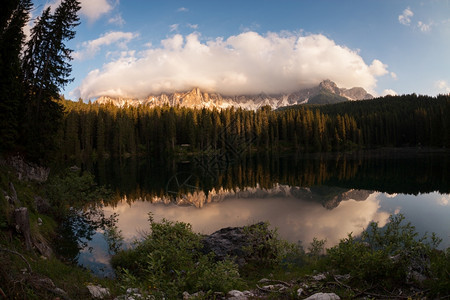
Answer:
[(265, 248), (169, 261), (384, 256), (72, 189)]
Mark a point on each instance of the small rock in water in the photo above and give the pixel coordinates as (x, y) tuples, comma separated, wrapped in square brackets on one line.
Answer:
[(324, 296)]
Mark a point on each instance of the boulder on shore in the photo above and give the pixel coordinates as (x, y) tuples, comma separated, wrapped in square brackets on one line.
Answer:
[(229, 242)]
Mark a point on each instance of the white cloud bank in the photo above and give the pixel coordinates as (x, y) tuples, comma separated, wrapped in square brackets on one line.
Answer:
[(248, 63)]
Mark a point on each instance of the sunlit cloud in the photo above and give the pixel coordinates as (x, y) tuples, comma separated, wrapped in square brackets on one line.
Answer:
[(443, 86), (94, 9), (248, 63), (405, 17), (444, 200), (90, 48), (392, 93), (395, 194)]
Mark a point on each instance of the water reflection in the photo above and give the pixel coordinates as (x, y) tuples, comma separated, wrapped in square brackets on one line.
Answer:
[(298, 213), (408, 172), (325, 197)]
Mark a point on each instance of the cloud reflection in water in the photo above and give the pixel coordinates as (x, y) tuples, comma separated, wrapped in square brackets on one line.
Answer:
[(297, 219)]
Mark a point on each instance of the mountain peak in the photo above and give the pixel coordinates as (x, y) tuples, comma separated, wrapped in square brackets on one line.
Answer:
[(326, 92)]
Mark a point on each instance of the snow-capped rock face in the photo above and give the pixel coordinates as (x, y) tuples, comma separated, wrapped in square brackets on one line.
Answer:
[(198, 99)]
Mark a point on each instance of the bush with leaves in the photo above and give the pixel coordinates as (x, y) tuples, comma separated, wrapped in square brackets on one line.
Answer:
[(169, 261), (265, 248), (72, 189), (388, 256)]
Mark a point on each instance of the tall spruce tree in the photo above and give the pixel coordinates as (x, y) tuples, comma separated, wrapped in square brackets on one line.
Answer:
[(46, 67), (13, 17)]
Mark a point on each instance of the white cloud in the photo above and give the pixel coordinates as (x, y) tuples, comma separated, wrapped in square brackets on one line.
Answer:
[(117, 20), (182, 9), (377, 68), (392, 93), (90, 48), (443, 86), (174, 27), (444, 200), (394, 76), (192, 26), (248, 63), (405, 17), (92, 9), (424, 27)]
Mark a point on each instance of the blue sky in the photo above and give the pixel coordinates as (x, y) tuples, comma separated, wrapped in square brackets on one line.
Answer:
[(136, 48)]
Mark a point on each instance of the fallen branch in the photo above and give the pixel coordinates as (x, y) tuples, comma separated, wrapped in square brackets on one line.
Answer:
[(266, 290), (20, 255), (277, 281)]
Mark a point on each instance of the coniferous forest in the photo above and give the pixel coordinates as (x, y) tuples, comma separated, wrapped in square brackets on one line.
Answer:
[(91, 130)]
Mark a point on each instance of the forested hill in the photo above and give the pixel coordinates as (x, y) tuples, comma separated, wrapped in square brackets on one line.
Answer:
[(392, 121)]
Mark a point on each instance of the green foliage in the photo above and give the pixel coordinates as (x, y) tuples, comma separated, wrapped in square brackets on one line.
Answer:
[(317, 248), (440, 269), (265, 248), (384, 256), (169, 261), (72, 189)]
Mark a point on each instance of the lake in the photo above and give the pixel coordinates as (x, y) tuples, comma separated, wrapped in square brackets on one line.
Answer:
[(304, 196)]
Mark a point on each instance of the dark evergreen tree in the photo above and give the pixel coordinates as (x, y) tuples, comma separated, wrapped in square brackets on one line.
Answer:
[(13, 17), (46, 67)]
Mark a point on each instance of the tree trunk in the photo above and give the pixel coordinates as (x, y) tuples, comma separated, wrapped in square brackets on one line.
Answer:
[(14, 199), (22, 220)]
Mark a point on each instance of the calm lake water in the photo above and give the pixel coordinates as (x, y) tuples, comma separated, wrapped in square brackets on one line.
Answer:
[(303, 196)]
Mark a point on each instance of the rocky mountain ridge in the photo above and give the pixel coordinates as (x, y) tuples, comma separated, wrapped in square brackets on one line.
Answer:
[(326, 92)]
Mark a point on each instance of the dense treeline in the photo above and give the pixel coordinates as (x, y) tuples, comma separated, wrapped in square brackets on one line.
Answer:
[(92, 130)]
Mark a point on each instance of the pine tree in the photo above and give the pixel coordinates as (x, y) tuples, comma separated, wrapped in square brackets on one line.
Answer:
[(13, 17), (46, 70)]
